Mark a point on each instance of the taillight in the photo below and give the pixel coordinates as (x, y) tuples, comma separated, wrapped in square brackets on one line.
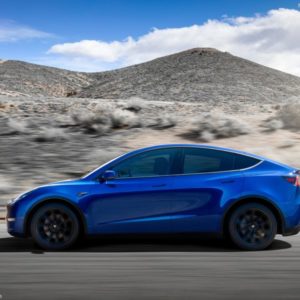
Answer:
[(294, 179)]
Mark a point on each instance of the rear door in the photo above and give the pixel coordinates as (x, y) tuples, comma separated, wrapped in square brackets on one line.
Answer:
[(207, 180)]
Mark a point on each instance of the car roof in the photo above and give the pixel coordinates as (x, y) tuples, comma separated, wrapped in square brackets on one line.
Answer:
[(200, 146), (206, 146)]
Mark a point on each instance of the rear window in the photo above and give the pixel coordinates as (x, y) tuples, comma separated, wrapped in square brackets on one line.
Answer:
[(243, 162)]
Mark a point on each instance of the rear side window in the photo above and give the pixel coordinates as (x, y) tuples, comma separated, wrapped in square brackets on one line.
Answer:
[(206, 160), (201, 160), (243, 162)]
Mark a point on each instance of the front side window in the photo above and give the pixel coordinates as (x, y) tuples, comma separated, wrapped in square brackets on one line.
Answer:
[(151, 163)]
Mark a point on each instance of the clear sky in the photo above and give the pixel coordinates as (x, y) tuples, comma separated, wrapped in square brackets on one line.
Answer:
[(95, 35)]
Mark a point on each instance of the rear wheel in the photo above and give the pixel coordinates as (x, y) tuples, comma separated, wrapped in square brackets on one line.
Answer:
[(252, 226), (54, 226)]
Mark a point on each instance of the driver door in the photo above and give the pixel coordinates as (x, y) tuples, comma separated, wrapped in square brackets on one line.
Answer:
[(139, 198)]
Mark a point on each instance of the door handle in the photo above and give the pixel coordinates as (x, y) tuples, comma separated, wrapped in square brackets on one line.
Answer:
[(228, 181), (159, 185)]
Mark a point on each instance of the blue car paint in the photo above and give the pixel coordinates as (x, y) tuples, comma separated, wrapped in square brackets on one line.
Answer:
[(165, 204)]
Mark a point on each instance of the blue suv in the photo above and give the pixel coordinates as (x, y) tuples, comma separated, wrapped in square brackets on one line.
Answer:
[(166, 189)]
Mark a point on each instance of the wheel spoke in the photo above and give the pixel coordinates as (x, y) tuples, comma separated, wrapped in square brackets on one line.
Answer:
[(253, 226), (55, 226)]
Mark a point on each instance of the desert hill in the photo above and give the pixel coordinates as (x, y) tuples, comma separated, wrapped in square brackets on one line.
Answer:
[(19, 78), (196, 75)]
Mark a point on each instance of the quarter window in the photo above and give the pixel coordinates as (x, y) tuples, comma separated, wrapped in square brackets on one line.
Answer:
[(243, 162)]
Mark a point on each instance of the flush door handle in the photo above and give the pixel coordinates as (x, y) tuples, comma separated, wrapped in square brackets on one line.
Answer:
[(228, 181), (159, 185)]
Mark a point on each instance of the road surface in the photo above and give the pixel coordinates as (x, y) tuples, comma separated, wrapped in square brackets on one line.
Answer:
[(169, 267)]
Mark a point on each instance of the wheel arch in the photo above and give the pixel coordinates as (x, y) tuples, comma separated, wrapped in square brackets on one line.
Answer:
[(257, 199), (64, 201)]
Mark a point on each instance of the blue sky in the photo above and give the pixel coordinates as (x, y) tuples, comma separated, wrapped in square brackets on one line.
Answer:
[(56, 32)]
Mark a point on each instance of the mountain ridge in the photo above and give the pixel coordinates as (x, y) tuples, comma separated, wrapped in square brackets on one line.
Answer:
[(198, 74)]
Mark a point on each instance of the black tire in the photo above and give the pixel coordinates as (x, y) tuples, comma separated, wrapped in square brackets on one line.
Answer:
[(54, 226), (252, 226)]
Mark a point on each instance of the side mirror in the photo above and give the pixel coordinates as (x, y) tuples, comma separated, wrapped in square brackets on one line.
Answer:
[(108, 175)]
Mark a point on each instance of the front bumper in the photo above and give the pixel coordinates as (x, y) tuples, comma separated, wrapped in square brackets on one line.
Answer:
[(14, 223)]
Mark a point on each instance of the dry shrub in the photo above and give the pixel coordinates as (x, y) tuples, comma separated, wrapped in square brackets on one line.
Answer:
[(210, 126), (206, 136), (134, 104), (91, 121), (289, 114), (123, 119), (103, 119), (273, 124), (163, 122), (51, 135), (18, 126)]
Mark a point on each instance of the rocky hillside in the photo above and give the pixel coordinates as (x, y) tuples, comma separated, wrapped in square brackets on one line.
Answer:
[(197, 75), (18, 78)]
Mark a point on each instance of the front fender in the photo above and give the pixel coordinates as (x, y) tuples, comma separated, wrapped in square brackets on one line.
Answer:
[(22, 210)]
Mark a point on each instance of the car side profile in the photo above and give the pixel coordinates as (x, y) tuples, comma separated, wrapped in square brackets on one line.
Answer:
[(178, 188)]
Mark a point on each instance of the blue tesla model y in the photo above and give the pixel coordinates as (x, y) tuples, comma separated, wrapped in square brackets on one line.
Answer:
[(166, 189)]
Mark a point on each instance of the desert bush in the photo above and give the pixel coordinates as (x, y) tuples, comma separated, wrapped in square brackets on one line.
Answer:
[(121, 119), (91, 121), (162, 122), (209, 126), (102, 108), (18, 126), (103, 119), (206, 136), (51, 135), (273, 124), (87, 118), (289, 114), (134, 104)]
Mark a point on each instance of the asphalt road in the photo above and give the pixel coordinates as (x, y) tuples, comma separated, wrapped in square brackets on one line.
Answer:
[(168, 267)]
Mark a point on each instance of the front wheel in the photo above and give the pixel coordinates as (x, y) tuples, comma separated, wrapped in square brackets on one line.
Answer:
[(54, 226), (252, 226)]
